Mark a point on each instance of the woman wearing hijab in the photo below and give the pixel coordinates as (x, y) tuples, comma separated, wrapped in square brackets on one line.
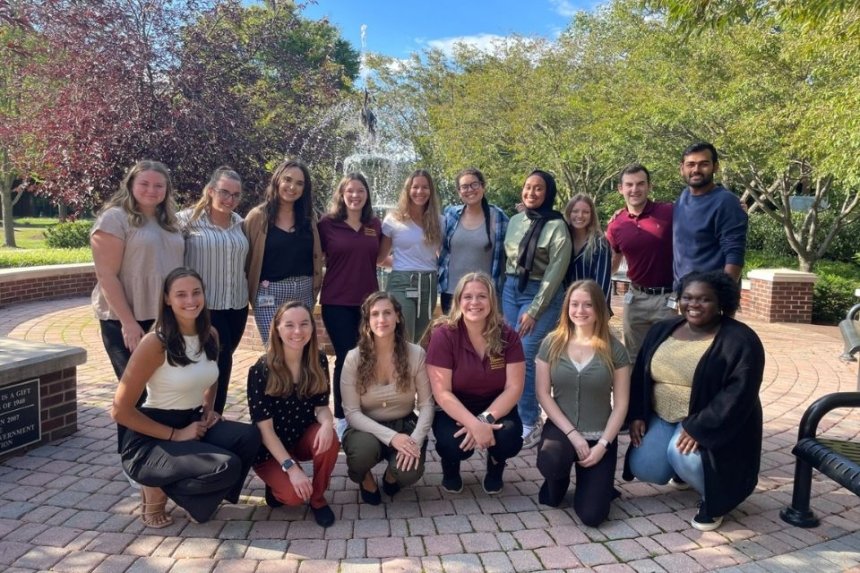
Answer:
[(538, 247)]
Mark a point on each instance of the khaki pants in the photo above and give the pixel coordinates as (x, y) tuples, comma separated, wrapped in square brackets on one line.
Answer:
[(642, 312)]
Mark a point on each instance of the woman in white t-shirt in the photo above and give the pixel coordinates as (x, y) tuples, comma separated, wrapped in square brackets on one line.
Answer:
[(412, 232)]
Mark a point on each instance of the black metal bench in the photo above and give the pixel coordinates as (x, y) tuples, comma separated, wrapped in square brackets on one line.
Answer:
[(837, 459), (850, 330)]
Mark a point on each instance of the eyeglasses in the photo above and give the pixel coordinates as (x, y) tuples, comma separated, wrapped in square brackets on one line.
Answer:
[(225, 195), (473, 186)]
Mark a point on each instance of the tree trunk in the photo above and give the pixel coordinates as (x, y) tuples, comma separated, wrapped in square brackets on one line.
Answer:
[(805, 264), (8, 219)]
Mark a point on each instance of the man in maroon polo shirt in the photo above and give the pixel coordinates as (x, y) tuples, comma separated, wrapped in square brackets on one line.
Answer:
[(641, 233)]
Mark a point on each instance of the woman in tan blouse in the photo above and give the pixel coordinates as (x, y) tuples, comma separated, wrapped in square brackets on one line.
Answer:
[(381, 380)]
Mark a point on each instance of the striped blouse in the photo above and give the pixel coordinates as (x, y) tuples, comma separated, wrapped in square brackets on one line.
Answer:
[(219, 256), (597, 267)]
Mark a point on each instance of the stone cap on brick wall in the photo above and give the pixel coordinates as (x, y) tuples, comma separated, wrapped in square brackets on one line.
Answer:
[(44, 271), (20, 359), (782, 276)]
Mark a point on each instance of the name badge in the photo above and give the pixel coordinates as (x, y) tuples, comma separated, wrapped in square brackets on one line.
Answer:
[(412, 293), (628, 297), (266, 300)]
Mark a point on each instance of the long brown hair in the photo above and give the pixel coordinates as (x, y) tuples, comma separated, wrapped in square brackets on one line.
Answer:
[(312, 379), (367, 349), (304, 207), (165, 212), (203, 204), (337, 210), (601, 340), (494, 322), (167, 328), (430, 219)]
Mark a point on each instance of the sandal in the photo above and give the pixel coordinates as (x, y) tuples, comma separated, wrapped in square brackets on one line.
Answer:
[(152, 513)]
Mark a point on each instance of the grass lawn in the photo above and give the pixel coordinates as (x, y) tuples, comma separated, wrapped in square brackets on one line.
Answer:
[(31, 249)]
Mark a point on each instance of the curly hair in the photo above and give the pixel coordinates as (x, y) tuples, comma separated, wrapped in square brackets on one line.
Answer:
[(312, 378), (367, 349), (430, 223), (165, 212), (726, 288), (494, 323), (601, 339)]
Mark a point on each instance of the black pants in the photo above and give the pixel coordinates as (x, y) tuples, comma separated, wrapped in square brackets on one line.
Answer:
[(446, 300), (341, 323), (195, 474), (509, 439), (119, 355), (230, 324), (594, 485)]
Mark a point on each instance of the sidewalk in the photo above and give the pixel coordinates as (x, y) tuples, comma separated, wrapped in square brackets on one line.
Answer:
[(66, 507)]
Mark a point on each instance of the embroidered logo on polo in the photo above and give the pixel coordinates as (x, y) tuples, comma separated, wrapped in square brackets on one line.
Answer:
[(369, 232), (497, 362)]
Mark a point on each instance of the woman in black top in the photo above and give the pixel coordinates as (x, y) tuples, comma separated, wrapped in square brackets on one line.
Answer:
[(288, 394)]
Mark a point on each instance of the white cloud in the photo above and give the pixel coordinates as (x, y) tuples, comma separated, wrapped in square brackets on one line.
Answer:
[(482, 42), (565, 8)]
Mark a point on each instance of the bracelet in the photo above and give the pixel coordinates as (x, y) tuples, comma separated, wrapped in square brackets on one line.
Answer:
[(569, 431), (603, 442), (172, 431)]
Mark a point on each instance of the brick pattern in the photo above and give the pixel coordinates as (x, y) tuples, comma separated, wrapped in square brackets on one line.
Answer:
[(59, 407), (773, 301), (44, 288)]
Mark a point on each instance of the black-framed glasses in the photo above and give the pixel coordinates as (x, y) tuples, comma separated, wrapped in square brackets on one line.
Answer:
[(225, 195), (473, 186)]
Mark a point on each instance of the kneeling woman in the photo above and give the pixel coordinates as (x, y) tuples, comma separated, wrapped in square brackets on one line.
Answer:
[(476, 366), (177, 446), (583, 385), (381, 380), (288, 393), (694, 404)]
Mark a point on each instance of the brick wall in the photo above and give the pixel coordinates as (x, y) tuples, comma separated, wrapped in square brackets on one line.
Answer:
[(780, 296), (41, 283)]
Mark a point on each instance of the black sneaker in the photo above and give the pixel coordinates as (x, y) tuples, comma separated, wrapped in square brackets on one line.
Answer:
[(390, 489), (493, 483), (451, 480), (324, 516), (271, 500), (370, 497), (704, 522)]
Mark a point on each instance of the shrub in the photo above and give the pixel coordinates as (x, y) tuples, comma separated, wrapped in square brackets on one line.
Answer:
[(13, 258), (72, 235), (832, 298), (767, 235)]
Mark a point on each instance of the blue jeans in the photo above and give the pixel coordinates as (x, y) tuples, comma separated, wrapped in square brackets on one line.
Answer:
[(657, 458), (514, 305)]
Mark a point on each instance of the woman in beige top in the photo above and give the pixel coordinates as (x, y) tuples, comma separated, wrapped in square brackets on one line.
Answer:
[(381, 380)]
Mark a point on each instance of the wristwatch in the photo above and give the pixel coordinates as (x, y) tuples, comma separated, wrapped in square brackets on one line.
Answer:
[(288, 463), (487, 418)]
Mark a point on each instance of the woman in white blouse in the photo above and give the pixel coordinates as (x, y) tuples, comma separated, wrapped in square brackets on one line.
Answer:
[(216, 247), (382, 380)]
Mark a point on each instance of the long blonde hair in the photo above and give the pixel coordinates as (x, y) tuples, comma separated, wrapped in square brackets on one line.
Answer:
[(492, 331), (432, 211), (165, 212), (203, 204), (367, 348), (594, 236), (312, 380), (601, 340)]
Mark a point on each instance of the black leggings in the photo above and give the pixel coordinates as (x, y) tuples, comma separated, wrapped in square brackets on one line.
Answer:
[(509, 439), (594, 485), (195, 474), (230, 324), (341, 324)]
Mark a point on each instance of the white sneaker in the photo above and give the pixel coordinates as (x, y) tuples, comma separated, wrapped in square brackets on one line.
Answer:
[(678, 484), (340, 426), (533, 437)]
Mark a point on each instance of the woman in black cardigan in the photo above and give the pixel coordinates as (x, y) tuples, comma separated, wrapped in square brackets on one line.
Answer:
[(694, 404)]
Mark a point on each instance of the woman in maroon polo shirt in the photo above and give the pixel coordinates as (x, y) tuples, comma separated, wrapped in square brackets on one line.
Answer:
[(476, 367), (350, 237)]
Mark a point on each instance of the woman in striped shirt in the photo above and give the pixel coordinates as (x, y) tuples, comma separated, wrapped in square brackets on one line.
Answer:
[(592, 256), (216, 247)]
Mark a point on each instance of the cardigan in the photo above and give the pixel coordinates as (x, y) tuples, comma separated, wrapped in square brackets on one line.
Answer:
[(256, 226), (725, 415)]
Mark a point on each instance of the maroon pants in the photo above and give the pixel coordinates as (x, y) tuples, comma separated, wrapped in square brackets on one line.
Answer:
[(270, 471)]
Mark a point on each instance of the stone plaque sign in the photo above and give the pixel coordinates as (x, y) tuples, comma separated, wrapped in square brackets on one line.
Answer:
[(19, 415)]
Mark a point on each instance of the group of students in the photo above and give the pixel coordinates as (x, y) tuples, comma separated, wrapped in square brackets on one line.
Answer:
[(512, 339)]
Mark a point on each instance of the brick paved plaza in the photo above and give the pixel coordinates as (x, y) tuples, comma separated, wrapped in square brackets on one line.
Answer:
[(66, 507)]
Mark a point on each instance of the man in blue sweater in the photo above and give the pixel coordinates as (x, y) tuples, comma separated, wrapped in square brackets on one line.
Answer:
[(709, 225)]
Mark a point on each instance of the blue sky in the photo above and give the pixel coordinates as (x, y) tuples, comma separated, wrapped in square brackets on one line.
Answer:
[(399, 27)]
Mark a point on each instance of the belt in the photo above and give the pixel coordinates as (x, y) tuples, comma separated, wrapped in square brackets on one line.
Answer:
[(650, 290)]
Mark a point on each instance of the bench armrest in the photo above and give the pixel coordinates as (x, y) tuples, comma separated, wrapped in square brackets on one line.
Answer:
[(818, 409)]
